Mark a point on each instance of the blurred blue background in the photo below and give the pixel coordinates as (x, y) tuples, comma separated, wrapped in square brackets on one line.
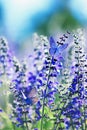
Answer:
[(19, 19)]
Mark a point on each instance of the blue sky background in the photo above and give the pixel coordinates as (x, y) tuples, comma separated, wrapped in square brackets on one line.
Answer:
[(19, 19)]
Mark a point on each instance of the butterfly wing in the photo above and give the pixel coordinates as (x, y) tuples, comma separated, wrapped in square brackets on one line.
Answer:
[(35, 100), (52, 42), (52, 51), (33, 95), (53, 46), (59, 49), (63, 47)]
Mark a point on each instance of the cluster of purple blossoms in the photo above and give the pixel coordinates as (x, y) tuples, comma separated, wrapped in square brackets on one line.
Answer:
[(53, 92), (8, 62), (24, 100), (4, 56), (75, 108), (38, 90)]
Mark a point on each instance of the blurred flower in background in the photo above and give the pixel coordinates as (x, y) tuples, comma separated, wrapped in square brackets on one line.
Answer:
[(19, 19)]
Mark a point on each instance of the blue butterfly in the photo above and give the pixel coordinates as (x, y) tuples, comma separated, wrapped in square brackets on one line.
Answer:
[(55, 50), (32, 97)]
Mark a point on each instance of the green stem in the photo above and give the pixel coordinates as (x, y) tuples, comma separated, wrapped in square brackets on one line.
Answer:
[(13, 126), (72, 123), (25, 116), (85, 125), (26, 122), (45, 97)]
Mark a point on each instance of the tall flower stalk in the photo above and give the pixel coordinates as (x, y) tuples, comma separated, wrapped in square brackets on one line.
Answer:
[(75, 103)]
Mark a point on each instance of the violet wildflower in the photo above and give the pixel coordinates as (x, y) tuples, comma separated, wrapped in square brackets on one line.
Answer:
[(50, 96), (50, 72), (5, 57), (25, 97), (57, 109), (41, 51), (74, 107), (17, 87), (6, 72)]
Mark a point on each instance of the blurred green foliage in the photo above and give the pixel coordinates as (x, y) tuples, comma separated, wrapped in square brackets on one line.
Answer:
[(62, 20)]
